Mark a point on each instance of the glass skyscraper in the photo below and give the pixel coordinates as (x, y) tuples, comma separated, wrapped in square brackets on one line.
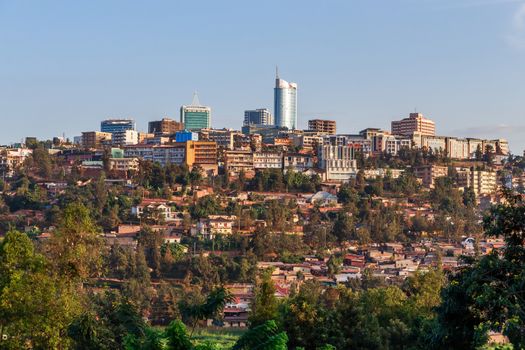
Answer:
[(285, 104), (195, 117)]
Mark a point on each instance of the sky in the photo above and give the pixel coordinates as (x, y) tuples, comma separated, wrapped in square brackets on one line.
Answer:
[(67, 65)]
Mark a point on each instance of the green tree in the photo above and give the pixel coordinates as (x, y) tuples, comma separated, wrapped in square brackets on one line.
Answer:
[(36, 306), (265, 305)]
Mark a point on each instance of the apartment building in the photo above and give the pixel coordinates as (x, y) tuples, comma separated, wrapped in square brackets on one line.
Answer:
[(237, 161), (483, 182), (95, 139), (267, 160), (429, 173), (124, 164), (298, 162), (163, 154), (225, 138), (203, 154), (125, 137), (416, 122), (323, 125)]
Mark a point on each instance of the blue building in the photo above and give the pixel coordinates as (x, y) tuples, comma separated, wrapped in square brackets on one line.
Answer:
[(117, 125), (186, 135)]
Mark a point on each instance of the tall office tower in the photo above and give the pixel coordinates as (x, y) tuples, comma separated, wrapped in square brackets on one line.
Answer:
[(261, 116), (285, 103), (114, 125), (322, 125), (195, 117), (166, 126), (414, 123)]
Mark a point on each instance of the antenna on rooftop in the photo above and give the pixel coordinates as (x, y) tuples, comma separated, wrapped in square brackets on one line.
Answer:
[(276, 72), (195, 101)]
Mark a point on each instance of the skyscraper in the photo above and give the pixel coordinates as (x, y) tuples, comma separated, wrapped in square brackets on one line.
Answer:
[(261, 116), (195, 117), (285, 103)]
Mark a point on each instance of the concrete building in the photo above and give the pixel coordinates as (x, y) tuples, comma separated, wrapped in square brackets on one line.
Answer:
[(163, 154), (416, 122), (357, 142), (297, 162), (238, 161), (125, 137), (322, 125), (285, 104), (166, 126), (202, 154), (191, 153), (124, 164), (338, 162), (115, 125), (267, 160), (261, 116), (95, 139), (225, 138), (429, 173), (483, 182)]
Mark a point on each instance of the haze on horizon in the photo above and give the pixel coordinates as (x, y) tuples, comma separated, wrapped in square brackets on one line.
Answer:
[(67, 65)]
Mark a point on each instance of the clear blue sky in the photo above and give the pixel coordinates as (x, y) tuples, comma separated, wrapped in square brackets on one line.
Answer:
[(66, 65)]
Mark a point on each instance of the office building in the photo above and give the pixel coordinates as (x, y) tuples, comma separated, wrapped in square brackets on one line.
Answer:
[(166, 126), (260, 116), (195, 117), (322, 125), (267, 160), (285, 104), (239, 161), (415, 123), (115, 125)]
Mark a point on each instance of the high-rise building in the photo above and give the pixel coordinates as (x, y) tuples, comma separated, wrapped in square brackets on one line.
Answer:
[(166, 126), (114, 125), (195, 117), (416, 122), (322, 125), (285, 103), (261, 116)]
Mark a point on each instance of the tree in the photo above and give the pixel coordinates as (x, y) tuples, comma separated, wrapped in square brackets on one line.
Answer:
[(265, 304), (488, 295), (263, 337), (36, 306), (75, 247), (213, 305)]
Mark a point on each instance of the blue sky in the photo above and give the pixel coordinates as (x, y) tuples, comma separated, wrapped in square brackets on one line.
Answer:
[(66, 65)]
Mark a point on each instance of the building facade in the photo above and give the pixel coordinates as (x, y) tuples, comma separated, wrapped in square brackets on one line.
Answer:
[(115, 125), (338, 162), (166, 126), (95, 139), (416, 122), (285, 104), (195, 118), (261, 116), (124, 138), (322, 125)]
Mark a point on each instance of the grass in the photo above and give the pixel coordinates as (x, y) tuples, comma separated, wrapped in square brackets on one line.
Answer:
[(223, 337)]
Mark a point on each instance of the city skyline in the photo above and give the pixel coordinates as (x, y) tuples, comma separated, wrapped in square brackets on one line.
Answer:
[(64, 72)]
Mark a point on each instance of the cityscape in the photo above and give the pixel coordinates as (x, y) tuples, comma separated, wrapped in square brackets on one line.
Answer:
[(295, 229)]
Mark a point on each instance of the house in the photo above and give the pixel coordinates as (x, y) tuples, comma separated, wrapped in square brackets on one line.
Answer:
[(215, 224), (158, 206)]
